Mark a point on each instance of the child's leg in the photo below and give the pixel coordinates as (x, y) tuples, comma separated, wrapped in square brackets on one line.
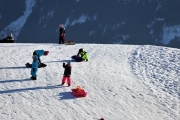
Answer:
[(63, 80), (78, 59), (74, 57), (69, 80), (34, 71)]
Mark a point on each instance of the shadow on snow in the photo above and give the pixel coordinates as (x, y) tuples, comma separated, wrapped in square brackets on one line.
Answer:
[(32, 88), (66, 95), (13, 67), (7, 81)]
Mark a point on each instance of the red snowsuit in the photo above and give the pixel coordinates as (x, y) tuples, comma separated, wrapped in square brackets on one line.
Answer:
[(67, 74)]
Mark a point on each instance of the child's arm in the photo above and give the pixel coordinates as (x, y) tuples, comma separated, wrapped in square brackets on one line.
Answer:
[(64, 65), (70, 72)]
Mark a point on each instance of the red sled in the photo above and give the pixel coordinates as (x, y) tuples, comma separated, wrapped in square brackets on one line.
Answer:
[(78, 93)]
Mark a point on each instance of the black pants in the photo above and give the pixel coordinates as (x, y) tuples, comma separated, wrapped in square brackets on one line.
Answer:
[(61, 40)]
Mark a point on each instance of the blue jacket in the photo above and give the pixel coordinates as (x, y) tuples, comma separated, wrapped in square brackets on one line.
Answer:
[(39, 52)]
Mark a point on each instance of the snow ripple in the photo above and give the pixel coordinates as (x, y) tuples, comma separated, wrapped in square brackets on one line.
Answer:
[(159, 67)]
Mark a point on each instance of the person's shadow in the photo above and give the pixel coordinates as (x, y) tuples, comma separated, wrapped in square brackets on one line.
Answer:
[(60, 61), (14, 67), (8, 81), (66, 96), (27, 89)]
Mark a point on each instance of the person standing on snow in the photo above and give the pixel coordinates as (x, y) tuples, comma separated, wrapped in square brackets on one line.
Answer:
[(34, 68), (67, 73), (40, 53), (61, 34), (81, 56)]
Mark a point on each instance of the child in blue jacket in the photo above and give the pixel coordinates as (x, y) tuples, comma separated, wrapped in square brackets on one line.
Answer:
[(34, 68), (40, 53)]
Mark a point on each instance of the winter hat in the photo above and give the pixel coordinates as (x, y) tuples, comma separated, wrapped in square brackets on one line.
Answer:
[(46, 52), (81, 50), (61, 25), (69, 62)]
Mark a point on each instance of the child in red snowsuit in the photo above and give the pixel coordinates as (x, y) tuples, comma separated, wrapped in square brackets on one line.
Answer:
[(67, 74)]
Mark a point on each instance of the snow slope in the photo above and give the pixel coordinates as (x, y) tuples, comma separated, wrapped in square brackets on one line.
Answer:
[(124, 82)]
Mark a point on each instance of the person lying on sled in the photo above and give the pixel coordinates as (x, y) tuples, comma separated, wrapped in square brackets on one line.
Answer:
[(81, 56)]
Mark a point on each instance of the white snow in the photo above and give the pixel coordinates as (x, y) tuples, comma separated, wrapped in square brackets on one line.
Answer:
[(123, 82)]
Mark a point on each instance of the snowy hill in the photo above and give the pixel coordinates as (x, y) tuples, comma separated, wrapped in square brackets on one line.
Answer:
[(123, 82)]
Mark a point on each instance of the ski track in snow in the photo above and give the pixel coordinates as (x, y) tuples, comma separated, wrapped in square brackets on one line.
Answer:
[(162, 79)]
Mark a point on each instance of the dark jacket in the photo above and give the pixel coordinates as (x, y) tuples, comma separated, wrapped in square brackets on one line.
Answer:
[(62, 31), (67, 70)]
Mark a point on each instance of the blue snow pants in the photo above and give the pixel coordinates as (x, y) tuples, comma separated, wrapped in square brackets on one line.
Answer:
[(77, 59), (34, 71)]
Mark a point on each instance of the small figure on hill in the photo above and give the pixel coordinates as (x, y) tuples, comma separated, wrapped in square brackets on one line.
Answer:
[(81, 56), (34, 68), (61, 34), (10, 37), (67, 73), (40, 53)]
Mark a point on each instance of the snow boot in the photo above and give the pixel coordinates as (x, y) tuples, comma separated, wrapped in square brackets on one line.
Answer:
[(62, 83), (33, 78)]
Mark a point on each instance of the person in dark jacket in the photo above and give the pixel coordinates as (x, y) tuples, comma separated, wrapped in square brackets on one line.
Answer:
[(61, 34), (67, 73)]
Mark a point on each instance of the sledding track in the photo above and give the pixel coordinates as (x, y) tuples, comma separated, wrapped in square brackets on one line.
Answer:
[(162, 79)]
